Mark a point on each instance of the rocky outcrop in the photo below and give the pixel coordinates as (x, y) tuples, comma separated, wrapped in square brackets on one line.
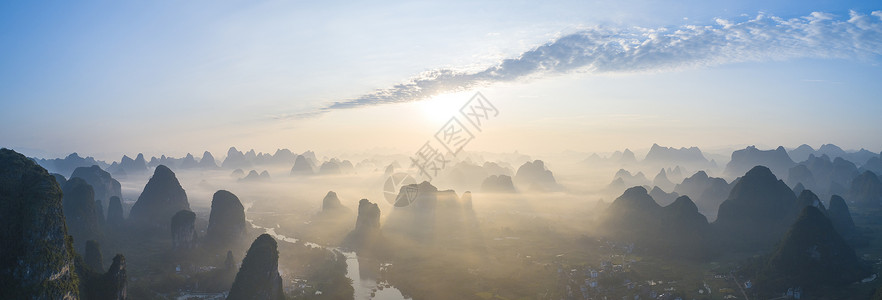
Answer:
[(93, 256), (102, 183), (691, 156), (133, 166), (758, 211), (258, 278), (226, 224), (745, 159), (661, 180), (840, 216), (189, 162), (808, 198), (801, 153), (367, 226), (183, 231), (37, 260), (253, 176), (331, 167), (162, 197), (661, 197), (866, 189), (676, 230), (534, 176), (80, 213), (207, 161), (707, 192), (115, 217), (235, 159), (116, 278), (331, 204), (97, 284), (302, 166), (498, 184), (426, 215)]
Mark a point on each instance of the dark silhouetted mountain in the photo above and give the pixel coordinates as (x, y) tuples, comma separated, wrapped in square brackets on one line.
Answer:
[(183, 231), (691, 156), (226, 224), (674, 230), (59, 179), (235, 159), (808, 198), (661, 180), (874, 164), (162, 197), (801, 174), (758, 211), (831, 151), (102, 183), (367, 226), (534, 176), (258, 277), (830, 177), (743, 160), (813, 254), (331, 167), (801, 153), (634, 214), (843, 171), (685, 231), (189, 162), (631, 180), (661, 197), (302, 166), (115, 217), (133, 166), (866, 189), (93, 256), (37, 260), (207, 161), (79, 212), (840, 216), (65, 166), (498, 184), (707, 192)]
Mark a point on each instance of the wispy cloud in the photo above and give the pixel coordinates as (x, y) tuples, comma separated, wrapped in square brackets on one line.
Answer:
[(624, 50)]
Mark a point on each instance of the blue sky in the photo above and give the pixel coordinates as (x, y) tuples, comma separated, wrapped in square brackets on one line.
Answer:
[(114, 77)]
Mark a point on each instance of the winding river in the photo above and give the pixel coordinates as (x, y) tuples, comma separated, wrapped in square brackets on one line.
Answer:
[(363, 282)]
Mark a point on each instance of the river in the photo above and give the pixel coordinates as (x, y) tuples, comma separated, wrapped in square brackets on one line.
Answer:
[(363, 282)]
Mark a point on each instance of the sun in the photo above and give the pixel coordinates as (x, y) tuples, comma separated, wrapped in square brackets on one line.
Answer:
[(441, 108)]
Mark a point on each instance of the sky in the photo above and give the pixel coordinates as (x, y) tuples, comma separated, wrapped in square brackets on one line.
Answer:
[(107, 78)]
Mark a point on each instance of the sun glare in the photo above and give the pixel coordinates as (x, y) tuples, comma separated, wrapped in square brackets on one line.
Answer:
[(441, 108)]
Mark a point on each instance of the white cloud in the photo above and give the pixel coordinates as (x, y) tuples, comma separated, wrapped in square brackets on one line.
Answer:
[(627, 50)]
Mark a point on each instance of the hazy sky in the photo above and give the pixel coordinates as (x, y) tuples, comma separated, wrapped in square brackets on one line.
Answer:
[(105, 78)]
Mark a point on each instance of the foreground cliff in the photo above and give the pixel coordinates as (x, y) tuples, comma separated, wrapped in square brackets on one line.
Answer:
[(36, 259), (259, 278)]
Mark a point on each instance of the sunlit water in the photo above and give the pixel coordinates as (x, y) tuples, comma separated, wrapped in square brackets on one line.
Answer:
[(365, 288)]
